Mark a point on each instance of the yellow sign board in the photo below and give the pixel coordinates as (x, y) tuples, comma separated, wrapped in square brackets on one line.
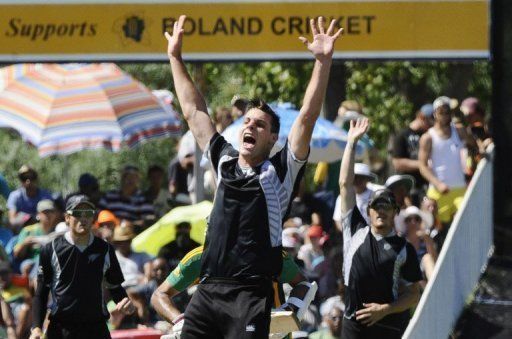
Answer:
[(229, 30)]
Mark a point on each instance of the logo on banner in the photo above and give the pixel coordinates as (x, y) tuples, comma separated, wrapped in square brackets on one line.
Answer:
[(132, 29)]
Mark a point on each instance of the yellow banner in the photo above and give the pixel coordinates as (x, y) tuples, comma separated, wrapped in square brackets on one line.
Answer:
[(243, 30)]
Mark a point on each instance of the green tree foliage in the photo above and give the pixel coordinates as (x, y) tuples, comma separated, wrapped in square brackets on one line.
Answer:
[(390, 93), (60, 173), (219, 82)]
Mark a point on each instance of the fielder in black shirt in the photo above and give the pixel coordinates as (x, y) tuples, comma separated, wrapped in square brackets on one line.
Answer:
[(380, 269), (73, 267), (243, 244)]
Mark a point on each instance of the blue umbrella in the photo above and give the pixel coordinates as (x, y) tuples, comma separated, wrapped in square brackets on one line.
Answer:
[(327, 143)]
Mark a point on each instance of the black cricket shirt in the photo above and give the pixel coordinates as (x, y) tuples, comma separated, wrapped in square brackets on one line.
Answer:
[(244, 228), (374, 266), (76, 279)]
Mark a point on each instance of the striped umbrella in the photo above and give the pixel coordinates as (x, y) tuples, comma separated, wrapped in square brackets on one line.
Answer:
[(66, 108)]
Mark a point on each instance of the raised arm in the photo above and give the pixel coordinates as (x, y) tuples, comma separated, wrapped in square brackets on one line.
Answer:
[(346, 180), (322, 48), (191, 101)]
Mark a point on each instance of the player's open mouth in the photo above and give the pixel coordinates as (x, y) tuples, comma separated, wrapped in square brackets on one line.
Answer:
[(248, 141)]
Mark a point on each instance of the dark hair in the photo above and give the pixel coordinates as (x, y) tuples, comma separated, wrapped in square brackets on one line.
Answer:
[(263, 106), (130, 168), (30, 174), (239, 103), (155, 169), (385, 195), (183, 224)]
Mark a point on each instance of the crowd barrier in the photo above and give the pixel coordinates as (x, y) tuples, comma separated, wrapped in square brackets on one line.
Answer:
[(463, 258)]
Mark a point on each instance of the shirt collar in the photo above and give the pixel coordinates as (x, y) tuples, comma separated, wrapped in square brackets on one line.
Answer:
[(68, 238), (377, 236)]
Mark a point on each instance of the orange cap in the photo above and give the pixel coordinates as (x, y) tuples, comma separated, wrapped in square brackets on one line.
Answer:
[(315, 231), (106, 216)]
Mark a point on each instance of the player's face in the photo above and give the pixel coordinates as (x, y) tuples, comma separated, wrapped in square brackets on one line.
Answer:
[(334, 320), (256, 139), (443, 115), (47, 217), (360, 183), (80, 219), (400, 192), (29, 181), (413, 224), (382, 216), (159, 269), (130, 179)]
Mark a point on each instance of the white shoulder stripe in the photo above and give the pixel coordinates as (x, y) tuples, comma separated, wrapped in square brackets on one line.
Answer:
[(348, 253), (401, 258)]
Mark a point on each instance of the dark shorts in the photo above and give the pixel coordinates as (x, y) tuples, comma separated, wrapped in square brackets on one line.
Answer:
[(352, 329), (219, 310), (63, 330)]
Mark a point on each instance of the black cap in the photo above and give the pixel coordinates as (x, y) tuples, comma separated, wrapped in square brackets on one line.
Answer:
[(87, 180), (383, 196), (76, 200)]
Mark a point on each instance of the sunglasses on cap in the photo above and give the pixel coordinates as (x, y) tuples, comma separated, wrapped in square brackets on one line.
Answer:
[(82, 213)]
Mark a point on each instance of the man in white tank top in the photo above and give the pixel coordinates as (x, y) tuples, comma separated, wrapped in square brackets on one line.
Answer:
[(441, 161)]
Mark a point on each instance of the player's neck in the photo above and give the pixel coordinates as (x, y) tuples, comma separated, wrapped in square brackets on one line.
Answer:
[(382, 231), (80, 239), (443, 129), (250, 162)]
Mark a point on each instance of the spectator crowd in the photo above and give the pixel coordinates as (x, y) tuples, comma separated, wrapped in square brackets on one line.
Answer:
[(430, 164)]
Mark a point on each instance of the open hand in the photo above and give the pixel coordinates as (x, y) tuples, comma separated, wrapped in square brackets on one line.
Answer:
[(322, 45), (371, 313), (175, 41), (357, 129), (125, 306)]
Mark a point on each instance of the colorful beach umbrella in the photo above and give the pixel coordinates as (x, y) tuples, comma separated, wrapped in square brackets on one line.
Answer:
[(66, 108), (327, 143)]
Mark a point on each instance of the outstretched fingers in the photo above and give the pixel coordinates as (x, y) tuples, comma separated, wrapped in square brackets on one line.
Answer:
[(314, 30), (358, 127), (181, 21), (304, 41), (178, 25), (332, 25), (175, 28), (338, 33), (321, 25), (362, 124), (331, 29)]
